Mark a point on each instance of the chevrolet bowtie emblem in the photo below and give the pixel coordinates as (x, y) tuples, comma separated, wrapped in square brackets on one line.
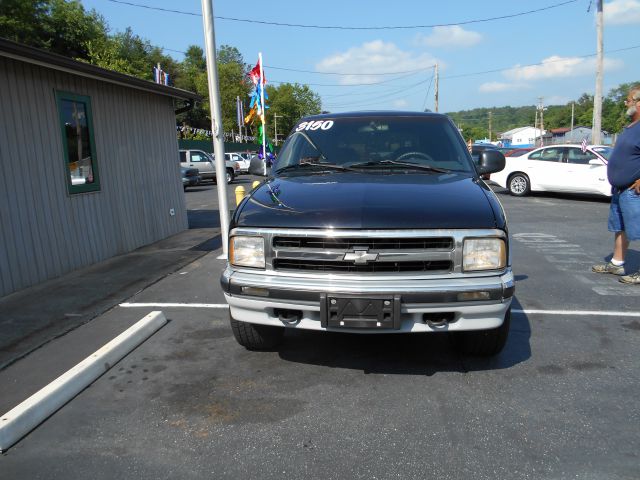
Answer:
[(360, 257)]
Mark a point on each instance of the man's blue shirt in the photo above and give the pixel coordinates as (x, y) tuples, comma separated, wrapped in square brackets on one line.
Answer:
[(624, 164)]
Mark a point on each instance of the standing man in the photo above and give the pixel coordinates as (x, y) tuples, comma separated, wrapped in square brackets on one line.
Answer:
[(623, 171)]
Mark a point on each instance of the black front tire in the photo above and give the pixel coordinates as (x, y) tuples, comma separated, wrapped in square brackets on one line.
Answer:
[(256, 337), (483, 342), (230, 176)]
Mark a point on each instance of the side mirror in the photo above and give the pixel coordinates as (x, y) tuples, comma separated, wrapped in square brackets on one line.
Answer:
[(491, 161), (595, 161)]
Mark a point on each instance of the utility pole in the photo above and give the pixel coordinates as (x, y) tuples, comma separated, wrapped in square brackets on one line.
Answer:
[(216, 120), (535, 127), (436, 89), (573, 105), (275, 127), (490, 113), (541, 121), (596, 131)]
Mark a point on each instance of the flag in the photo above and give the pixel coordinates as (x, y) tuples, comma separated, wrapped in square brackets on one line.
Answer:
[(583, 145), (255, 74)]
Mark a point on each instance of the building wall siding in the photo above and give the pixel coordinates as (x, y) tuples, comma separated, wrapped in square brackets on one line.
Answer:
[(46, 232)]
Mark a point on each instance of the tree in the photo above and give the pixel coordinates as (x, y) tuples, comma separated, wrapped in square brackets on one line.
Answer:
[(291, 102), (20, 21), (60, 26), (124, 52)]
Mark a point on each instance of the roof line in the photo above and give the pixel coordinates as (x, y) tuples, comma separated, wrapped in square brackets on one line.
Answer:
[(18, 51)]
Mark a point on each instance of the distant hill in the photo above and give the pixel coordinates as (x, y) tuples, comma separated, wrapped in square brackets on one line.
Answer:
[(475, 123)]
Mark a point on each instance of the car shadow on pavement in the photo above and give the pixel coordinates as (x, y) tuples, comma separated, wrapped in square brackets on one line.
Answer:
[(411, 354), (560, 196)]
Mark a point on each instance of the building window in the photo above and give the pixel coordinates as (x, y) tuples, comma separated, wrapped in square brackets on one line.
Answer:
[(81, 166)]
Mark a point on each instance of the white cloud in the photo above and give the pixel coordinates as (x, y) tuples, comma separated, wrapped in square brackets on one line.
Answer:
[(492, 87), (373, 58), (556, 66), (400, 104), (451, 37), (557, 100), (620, 12)]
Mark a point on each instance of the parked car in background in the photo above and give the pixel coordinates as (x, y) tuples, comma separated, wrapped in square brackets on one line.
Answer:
[(243, 164), (518, 152), (504, 150), (557, 168), (478, 148), (205, 163), (190, 177)]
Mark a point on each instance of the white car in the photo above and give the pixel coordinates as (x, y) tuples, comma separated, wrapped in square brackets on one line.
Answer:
[(557, 168)]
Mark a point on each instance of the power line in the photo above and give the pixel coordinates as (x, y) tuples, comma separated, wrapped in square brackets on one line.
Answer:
[(426, 97), (336, 27), (402, 90), (339, 73), (351, 84)]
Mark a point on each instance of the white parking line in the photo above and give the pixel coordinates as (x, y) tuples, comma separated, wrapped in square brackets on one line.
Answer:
[(579, 312), (168, 305)]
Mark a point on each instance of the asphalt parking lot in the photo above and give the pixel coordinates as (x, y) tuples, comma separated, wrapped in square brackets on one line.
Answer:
[(558, 403)]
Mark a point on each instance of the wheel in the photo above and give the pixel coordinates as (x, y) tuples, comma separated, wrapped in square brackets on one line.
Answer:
[(519, 185), (230, 176), (483, 342), (256, 337)]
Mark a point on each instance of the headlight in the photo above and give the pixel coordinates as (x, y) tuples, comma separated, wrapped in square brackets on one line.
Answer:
[(247, 252), (483, 254)]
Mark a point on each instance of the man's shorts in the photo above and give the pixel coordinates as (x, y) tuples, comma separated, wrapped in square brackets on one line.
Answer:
[(624, 214)]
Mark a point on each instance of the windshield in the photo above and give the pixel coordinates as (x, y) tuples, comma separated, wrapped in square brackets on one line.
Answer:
[(603, 151), (388, 142)]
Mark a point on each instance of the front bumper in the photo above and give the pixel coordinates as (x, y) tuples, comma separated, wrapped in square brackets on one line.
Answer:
[(470, 303)]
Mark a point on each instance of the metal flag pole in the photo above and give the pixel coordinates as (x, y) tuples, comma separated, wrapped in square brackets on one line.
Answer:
[(216, 121), (263, 111)]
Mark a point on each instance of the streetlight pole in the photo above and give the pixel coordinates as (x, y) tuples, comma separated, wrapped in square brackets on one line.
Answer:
[(216, 120)]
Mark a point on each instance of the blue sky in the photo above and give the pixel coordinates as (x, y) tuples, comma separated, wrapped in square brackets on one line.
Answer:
[(542, 54)]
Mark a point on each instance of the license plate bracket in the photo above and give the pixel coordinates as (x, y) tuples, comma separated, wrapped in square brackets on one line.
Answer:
[(378, 312)]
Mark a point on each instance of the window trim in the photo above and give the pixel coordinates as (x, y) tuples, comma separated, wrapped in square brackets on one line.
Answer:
[(86, 100)]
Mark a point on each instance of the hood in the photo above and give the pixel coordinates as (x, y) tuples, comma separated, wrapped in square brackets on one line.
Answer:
[(370, 201)]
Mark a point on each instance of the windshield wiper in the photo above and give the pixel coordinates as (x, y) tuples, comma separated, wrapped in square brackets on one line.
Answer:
[(428, 168), (322, 166)]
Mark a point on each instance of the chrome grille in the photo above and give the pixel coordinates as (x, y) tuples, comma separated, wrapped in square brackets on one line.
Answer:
[(410, 253)]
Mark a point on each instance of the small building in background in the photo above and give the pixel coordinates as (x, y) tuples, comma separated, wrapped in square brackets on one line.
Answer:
[(577, 135), (88, 161), (520, 137)]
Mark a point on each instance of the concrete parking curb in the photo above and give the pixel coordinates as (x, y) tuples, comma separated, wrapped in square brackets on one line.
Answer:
[(19, 421)]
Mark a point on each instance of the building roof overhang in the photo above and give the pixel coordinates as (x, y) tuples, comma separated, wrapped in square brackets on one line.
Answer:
[(54, 61)]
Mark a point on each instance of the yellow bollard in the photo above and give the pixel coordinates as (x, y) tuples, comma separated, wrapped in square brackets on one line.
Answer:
[(255, 183), (239, 194)]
